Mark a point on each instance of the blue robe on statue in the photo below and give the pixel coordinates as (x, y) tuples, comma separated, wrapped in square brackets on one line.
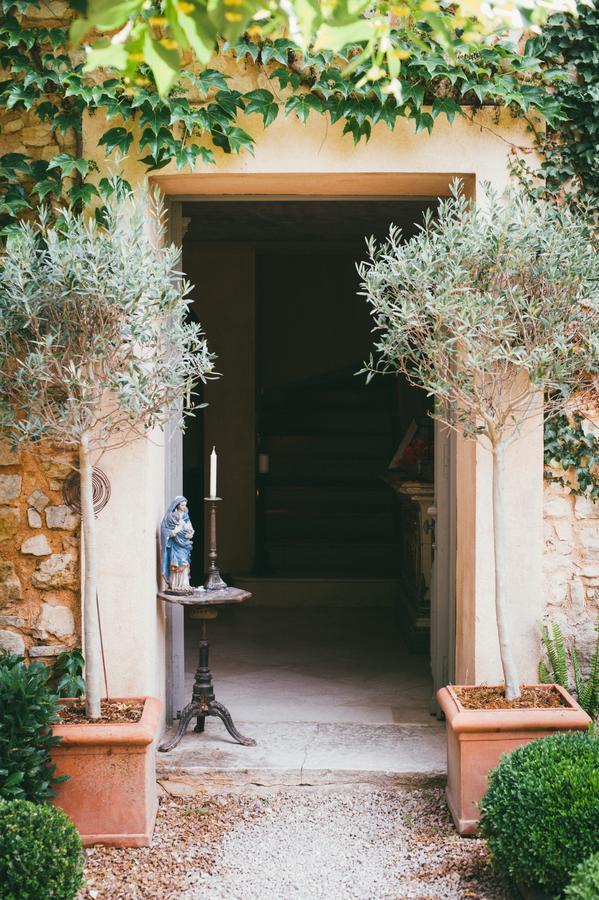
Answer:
[(176, 548)]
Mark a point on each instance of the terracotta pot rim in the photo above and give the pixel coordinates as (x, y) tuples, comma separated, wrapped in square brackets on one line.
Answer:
[(571, 716), (139, 733)]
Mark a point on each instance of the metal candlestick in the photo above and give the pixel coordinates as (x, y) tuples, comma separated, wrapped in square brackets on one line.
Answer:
[(213, 582)]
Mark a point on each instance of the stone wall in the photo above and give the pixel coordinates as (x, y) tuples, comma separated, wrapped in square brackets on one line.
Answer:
[(39, 556), (571, 565)]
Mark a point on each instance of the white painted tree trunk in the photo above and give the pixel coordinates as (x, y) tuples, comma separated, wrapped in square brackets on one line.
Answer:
[(93, 682), (500, 531)]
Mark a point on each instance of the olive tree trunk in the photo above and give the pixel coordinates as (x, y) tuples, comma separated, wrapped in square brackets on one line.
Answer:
[(91, 630), (500, 534)]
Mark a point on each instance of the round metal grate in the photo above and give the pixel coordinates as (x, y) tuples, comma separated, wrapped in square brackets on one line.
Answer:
[(71, 491)]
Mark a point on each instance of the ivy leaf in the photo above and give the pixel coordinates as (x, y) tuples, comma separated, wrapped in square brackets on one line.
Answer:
[(163, 62), (104, 15), (279, 51), (116, 138), (11, 162), (69, 164), (46, 186), (424, 121), (285, 78), (200, 32), (445, 105), (83, 193), (209, 79), (302, 104), (106, 55), (262, 102)]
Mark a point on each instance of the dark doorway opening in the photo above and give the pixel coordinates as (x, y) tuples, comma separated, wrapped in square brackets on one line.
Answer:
[(314, 522)]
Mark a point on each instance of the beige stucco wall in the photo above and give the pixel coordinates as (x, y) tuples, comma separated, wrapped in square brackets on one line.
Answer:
[(571, 559), (292, 158)]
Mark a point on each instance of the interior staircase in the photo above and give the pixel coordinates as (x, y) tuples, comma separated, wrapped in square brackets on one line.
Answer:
[(324, 514)]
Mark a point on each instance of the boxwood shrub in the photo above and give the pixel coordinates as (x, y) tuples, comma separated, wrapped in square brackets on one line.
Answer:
[(541, 810), (40, 852), (585, 883), (28, 708)]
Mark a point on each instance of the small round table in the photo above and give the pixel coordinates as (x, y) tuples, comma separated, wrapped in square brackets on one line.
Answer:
[(204, 605)]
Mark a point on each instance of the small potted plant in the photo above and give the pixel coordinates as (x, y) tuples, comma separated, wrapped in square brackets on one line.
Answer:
[(96, 349), (490, 309)]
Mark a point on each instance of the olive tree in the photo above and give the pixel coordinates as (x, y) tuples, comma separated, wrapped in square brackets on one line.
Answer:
[(493, 310), (96, 350)]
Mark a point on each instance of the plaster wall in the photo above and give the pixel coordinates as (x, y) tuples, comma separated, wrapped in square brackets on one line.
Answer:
[(291, 159), (132, 619), (571, 559)]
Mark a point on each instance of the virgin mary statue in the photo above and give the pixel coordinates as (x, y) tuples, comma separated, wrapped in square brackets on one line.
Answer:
[(176, 542)]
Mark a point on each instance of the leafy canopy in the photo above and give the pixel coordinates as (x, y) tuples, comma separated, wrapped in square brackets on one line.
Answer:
[(204, 112), (94, 335), (482, 295), (155, 33)]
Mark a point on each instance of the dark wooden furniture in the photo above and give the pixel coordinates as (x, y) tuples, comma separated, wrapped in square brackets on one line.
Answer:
[(204, 605)]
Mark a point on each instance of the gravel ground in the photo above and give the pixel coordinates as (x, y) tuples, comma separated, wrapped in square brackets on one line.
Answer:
[(352, 843)]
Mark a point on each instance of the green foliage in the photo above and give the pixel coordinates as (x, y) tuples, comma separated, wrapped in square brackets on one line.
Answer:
[(40, 853), (68, 672), (202, 111), (28, 710), (157, 34), (570, 150), (88, 309), (585, 690), (540, 813), (576, 451), (585, 882), (480, 295), (557, 655)]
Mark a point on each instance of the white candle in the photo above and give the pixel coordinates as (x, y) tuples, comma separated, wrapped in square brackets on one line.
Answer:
[(213, 465)]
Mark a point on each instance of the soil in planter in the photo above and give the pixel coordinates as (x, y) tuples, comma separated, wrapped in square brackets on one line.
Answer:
[(112, 711), (484, 697)]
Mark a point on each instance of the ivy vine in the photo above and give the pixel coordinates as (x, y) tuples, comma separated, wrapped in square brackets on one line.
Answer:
[(570, 145), (204, 112), (554, 76), (576, 452)]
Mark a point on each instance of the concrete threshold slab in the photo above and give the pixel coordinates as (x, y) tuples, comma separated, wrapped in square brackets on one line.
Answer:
[(304, 753)]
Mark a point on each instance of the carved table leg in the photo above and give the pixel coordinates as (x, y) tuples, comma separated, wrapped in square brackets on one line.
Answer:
[(192, 709), (203, 702), (217, 709)]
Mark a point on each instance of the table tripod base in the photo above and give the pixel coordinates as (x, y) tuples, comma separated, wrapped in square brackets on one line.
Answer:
[(203, 702), (212, 708)]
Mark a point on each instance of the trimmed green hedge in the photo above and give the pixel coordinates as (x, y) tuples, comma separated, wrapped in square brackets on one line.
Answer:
[(540, 814), (40, 852), (28, 708), (585, 883)]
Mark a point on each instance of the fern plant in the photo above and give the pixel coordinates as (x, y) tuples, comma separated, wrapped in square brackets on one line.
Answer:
[(557, 672), (557, 656)]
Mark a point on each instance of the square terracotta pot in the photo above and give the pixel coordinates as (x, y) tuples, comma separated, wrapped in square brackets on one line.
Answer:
[(477, 738), (111, 794)]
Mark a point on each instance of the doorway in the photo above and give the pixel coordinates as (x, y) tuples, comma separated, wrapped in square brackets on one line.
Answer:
[(315, 521)]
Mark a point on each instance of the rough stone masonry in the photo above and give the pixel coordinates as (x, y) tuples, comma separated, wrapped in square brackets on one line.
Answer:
[(39, 555)]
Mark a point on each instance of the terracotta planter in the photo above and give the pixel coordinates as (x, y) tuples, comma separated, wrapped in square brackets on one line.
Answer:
[(476, 739), (111, 795)]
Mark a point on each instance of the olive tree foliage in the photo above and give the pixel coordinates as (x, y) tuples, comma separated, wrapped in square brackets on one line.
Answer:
[(96, 349), (489, 308)]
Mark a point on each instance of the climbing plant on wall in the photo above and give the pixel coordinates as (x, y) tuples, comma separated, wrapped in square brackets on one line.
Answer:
[(50, 84), (570, 146)]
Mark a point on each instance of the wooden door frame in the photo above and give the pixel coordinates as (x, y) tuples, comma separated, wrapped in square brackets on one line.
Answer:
[(310, 186)]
